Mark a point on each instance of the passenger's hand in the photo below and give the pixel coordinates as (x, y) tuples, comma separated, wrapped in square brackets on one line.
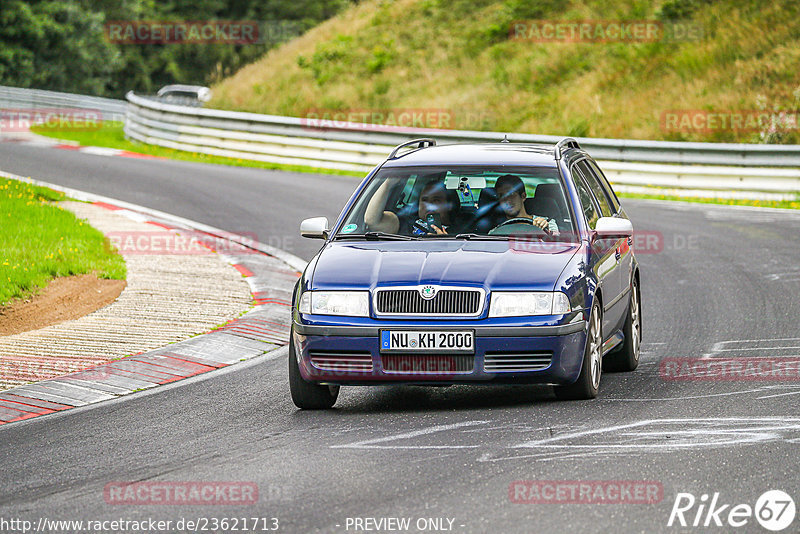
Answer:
[(439, 231)]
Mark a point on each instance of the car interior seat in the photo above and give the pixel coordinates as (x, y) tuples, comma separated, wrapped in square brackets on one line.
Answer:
[(548, 202), (488, 215)]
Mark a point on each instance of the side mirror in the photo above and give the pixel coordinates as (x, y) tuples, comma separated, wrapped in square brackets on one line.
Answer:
[(613, 227), (314, 228)]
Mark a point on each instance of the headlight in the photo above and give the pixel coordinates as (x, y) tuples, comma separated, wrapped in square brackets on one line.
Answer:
[(351, 303), (516, 303)]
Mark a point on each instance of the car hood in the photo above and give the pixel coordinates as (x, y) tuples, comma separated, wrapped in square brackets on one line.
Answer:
[(487, 264)]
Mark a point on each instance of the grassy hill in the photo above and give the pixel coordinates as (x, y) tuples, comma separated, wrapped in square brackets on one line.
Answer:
[(457, 55)]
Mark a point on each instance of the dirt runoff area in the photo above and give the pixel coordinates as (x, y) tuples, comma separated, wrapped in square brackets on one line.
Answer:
[(63, 299)]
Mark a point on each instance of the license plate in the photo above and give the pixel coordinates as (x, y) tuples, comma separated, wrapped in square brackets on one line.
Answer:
[(427, 341)]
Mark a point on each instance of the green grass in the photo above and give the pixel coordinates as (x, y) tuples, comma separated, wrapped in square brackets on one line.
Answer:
[(111, 135), (40, 240), (458, 55), (783, 204)]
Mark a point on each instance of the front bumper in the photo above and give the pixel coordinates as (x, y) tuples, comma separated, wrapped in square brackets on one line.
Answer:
[(360, 361)]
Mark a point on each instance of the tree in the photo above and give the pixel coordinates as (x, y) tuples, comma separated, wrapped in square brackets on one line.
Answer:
[(55, 45), (62, 46)]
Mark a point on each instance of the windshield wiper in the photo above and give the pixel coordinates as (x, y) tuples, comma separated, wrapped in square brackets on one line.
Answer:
[(499, 237), (482, 237), (377, 236)]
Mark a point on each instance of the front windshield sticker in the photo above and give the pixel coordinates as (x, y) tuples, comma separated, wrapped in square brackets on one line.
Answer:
[(349, 229)]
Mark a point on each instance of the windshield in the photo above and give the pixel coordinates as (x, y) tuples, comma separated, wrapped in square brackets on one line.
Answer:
[(464, 202)]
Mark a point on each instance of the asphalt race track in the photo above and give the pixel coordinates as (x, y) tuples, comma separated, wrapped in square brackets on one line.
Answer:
[(716, 282), (267, 205)]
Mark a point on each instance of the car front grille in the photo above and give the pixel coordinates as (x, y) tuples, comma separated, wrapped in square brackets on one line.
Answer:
[(516, 361), (467, 302), (341, 361), (428, 364)]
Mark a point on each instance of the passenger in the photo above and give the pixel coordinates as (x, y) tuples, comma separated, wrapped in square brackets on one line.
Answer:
[(511, 196), (437, 210)]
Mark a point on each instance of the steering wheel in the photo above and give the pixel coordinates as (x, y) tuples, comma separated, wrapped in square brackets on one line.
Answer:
[(523, 220)]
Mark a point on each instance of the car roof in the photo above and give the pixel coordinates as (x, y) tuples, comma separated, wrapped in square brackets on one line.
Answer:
[(511, 154)]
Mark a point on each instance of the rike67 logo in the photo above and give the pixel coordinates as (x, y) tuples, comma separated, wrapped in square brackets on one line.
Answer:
[(774, 510)]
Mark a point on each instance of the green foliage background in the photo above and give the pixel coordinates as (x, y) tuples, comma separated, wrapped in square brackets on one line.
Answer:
[(60, 45)]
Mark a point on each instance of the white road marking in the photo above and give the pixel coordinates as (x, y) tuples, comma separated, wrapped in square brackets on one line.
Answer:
[(783, 277), (674, 434), (760, 348), (101, 151), (542, 457), (704, 396), (657, 436), (134, 216), (779, 395), (372, 443), (679, 205), (758, 340), (726, 213), (760, 345)]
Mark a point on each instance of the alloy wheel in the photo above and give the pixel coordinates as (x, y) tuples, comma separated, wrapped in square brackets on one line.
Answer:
[(636, 326), (595, 349)]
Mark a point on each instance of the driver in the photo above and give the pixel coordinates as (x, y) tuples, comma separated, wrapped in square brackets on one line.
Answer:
[(511, 196), (434, 200)]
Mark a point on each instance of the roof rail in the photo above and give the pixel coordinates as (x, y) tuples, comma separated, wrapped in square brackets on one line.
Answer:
[(421, 143), (567, 142)]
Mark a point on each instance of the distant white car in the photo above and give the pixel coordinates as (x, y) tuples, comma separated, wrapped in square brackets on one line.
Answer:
[(195, 95)]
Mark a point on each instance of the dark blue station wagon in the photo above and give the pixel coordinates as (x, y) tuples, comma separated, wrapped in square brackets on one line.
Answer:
[(471, 264)]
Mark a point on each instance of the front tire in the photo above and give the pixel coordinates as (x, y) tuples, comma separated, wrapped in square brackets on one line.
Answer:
[(627, 357), (588, 383), (305, 395)]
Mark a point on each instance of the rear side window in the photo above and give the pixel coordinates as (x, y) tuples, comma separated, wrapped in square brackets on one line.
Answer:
[(597, 189), (585, 197), (605, 183)]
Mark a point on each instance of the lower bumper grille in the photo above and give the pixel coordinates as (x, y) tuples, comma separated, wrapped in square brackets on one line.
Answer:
[(517, 361), (342, 361), (426, 364)]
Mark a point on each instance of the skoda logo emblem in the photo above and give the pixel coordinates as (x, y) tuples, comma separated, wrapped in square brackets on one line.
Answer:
[(427, 292)]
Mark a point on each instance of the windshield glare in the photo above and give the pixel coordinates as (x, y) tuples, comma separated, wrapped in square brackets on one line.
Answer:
[(443, 202)]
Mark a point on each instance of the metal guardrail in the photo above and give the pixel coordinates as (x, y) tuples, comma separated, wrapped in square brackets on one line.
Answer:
[(19, 98), (359, 147), (773, 170)]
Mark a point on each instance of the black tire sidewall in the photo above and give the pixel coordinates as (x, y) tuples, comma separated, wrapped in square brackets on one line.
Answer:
[(307, 395), (626, 359), (583, 388)]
